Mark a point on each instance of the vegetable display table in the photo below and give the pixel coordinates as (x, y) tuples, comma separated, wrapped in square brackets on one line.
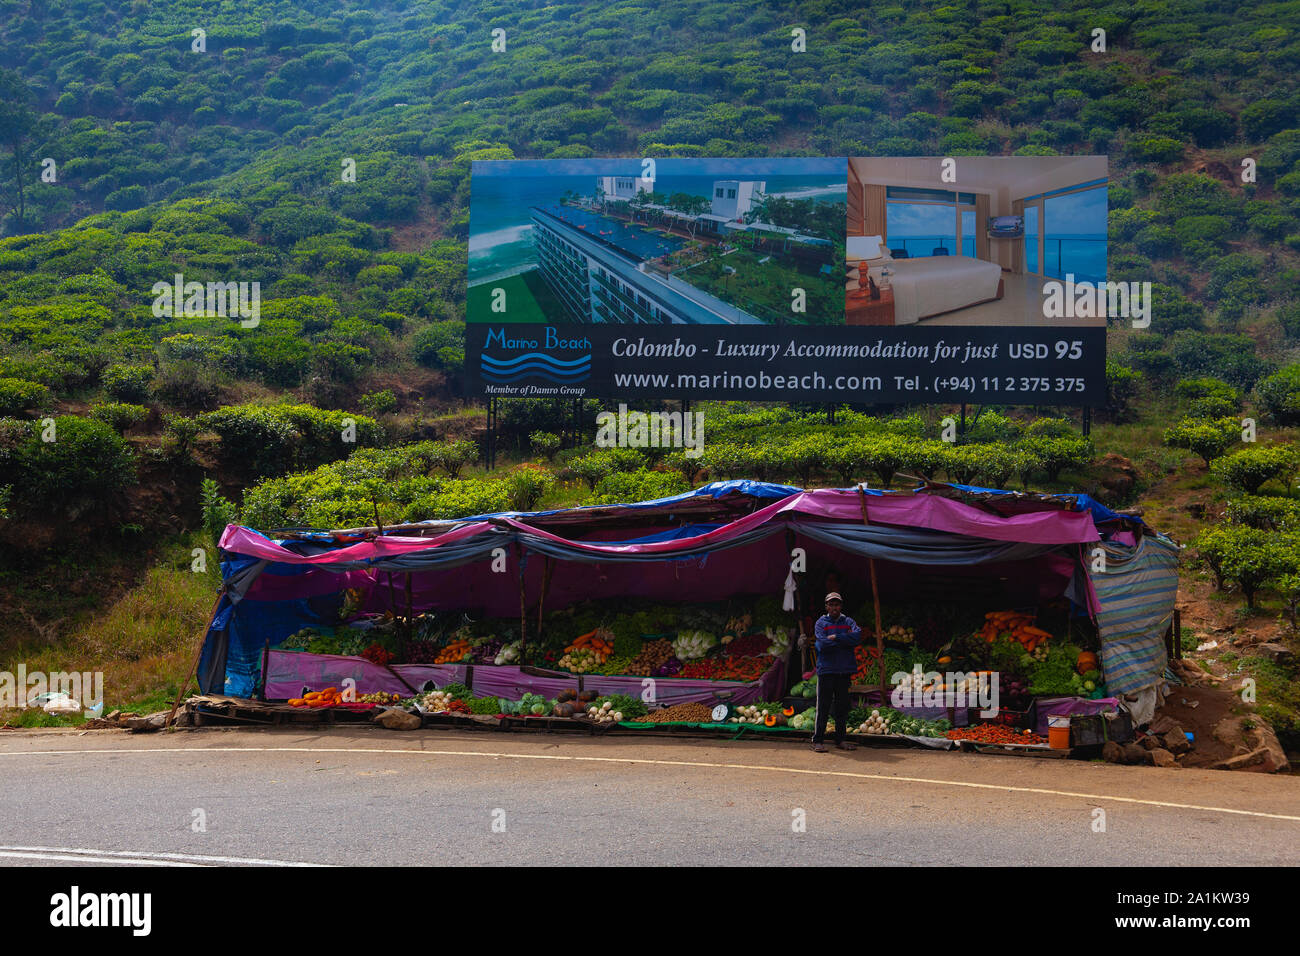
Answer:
[(288, 672)]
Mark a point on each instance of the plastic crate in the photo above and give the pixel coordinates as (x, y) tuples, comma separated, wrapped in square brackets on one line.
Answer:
[(1008, 717), (1096, 729)]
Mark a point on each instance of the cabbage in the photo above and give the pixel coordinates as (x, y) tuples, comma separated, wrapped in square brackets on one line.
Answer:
[(693, 644), (780, 638)]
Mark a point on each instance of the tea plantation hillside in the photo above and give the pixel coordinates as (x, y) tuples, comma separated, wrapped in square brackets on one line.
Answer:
[(140, 141)]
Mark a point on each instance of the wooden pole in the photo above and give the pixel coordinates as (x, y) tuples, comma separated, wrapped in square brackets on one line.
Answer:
[(523, 611), (203, 639), (541, 601), (875, 602)]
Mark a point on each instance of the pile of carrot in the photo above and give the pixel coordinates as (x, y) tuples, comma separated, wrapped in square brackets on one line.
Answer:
[(453, 653), (995, 734), (329, 697), (592, 641), (1016, 623)]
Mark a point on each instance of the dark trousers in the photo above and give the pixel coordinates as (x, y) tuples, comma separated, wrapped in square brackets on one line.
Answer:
[(832, 701)]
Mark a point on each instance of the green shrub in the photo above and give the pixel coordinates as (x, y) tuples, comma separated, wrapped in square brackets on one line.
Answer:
[(1279, 394), (990, 426), (178, 436), (432, 339), (997, 465), (127, 383), (800, 457), (1157, 241), (1171, 311), (1205, 387), (267, 440), (394, 483), (1213, 229), (119, 416), (595, 465), (1122, 387), (526, 485), (1156, 149), (1050, 428), (1255, 465), (1208, 438), (217, 511), (640, 485), (379, 403), (545, 444), (1228, 357), (1194, 194), (1057, 453), (186, 384), (1289, 318), (1247, 557), (1265, 512), (452, 457), (17, 396), (85, 462)]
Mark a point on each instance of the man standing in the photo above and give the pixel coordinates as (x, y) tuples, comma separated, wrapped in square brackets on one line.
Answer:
[(837, 635)]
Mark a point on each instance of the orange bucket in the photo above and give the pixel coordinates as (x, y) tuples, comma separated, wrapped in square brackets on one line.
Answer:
[(1058, 733)]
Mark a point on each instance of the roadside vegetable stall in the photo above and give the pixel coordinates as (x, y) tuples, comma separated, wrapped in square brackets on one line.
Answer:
[(652, 613)]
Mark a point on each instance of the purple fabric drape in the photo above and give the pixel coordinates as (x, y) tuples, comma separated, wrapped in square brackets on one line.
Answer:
[(288, 672)]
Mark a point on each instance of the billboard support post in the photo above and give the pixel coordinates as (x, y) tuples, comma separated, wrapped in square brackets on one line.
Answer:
[(490, 439)]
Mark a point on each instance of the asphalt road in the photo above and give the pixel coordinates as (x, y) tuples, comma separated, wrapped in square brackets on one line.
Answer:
[(434, 798)]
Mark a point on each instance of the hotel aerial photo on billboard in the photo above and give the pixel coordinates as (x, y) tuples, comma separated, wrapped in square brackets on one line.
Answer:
[(664, 242)]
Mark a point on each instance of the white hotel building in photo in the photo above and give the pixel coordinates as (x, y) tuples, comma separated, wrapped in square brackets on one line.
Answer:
[(597, 267)]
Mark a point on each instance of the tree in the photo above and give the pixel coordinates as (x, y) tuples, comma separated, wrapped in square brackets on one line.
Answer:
[(691, 205), (18, 125), (1208, 438), (1280, 395), (1247, 557), (1248, 469)]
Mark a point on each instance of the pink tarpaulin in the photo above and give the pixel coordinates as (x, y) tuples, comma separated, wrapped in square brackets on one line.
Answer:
[(240, 540), (937, 513), (931, 512)]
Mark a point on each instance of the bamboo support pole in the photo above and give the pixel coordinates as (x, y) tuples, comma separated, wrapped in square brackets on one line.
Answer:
[(875, 602), (198, 654)]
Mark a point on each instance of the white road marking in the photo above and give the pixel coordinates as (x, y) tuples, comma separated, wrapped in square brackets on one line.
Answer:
[(659, 763), (139, 856), (78, 858)]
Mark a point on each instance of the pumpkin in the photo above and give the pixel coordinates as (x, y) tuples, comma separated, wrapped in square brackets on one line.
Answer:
[(770, 720), (1087, 662), (788, 711)]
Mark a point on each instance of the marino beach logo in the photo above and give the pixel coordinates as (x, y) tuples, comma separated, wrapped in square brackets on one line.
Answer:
[(211, 300), (563, 363)]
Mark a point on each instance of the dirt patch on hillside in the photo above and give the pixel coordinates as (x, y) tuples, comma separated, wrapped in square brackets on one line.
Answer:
[(418, 235)]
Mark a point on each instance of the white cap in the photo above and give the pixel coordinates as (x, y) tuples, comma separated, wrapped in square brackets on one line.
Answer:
[(834, 596)]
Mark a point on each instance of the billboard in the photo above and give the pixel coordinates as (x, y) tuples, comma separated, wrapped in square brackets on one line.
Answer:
[(860, 280)]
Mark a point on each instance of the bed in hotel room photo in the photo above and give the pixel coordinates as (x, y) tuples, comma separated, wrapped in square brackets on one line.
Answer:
[(883, 290)]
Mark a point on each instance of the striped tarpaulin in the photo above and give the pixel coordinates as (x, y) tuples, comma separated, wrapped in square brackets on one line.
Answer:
[(1136, 592)]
